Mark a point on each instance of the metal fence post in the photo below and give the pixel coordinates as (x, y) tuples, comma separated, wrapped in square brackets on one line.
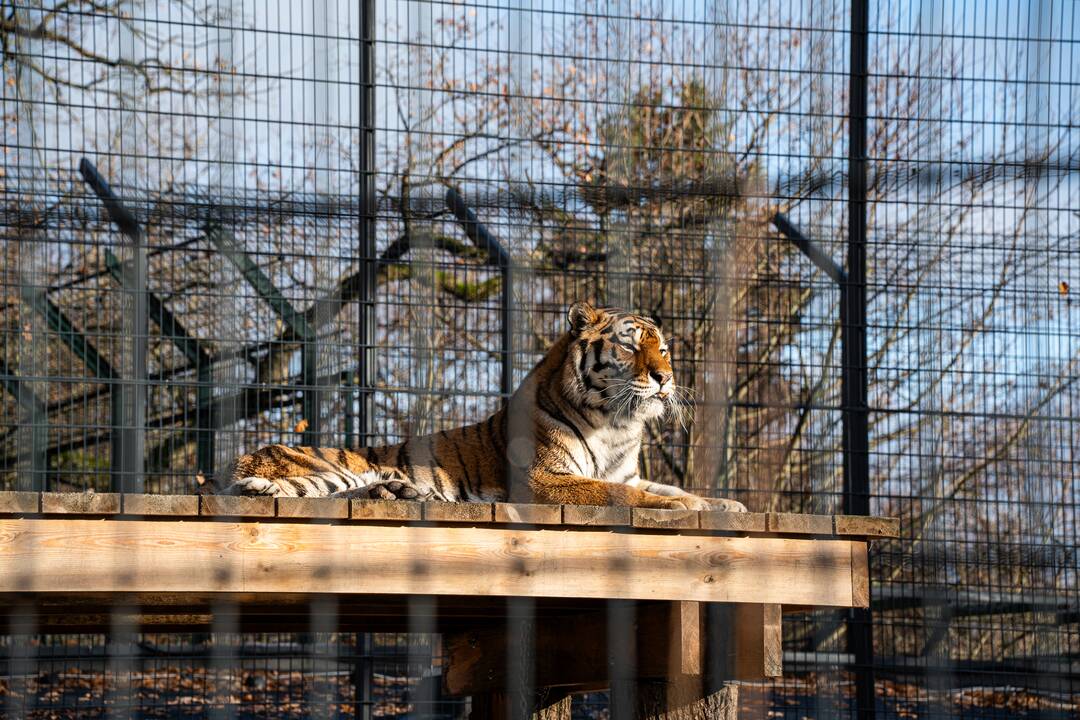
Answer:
[(365, 426), (854, 378), (368, 250)]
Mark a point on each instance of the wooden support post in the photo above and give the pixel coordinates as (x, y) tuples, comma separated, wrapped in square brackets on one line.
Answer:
[(744, 642), (758, 648)]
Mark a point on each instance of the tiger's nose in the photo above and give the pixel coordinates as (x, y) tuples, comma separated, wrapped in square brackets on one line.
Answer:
[(661, 377)]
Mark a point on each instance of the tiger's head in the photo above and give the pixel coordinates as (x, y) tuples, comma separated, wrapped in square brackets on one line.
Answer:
[(618, 363)]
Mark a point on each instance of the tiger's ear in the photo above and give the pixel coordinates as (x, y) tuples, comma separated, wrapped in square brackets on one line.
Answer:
[(580, 316)]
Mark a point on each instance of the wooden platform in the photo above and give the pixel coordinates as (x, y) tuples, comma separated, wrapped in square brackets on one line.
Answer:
[(78, 563)]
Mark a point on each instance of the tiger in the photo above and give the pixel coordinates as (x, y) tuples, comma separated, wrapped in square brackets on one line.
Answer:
[(570, 434)]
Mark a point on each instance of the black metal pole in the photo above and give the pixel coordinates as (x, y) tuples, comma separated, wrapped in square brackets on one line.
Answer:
[(129, 453), (500, 258), (506, 380), (854, 379), (368, 252), (365, 421)]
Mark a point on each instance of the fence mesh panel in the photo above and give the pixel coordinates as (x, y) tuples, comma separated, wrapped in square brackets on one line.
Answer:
[(301, 268)]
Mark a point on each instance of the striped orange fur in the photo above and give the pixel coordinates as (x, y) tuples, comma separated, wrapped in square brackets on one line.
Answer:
[(570, 434)]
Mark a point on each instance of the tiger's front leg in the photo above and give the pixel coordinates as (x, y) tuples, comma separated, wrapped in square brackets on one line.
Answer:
[(578, 490)]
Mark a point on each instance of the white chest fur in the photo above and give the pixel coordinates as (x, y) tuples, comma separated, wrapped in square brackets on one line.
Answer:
[(615, 451)]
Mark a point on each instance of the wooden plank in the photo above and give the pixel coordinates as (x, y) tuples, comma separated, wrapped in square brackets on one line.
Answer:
[(669, 519), (860, 576), (236, 506), (174, 505), (282, 557), (386, 510), (733, 521), (530, 514), (798, 523), (315, 508), (19, 502), (605, 515), (867, 526), (466, 512), (77, 503)]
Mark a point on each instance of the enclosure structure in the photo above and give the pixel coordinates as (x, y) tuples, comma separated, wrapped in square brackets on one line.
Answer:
[(350, 223), (519, 592)]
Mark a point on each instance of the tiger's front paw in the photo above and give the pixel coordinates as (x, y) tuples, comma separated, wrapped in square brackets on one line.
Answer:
[(691, 502), (676, 502), (725, 505), (387, 490)]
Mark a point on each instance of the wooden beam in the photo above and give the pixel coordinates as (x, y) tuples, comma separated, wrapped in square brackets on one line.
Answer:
[(161, 505), (457, 512), (528, 514), (236, 506), (800, 524), (707, 521), (78, 503), (670, 519), (314, 508), (596, 515), (732, 521), (65, 555), (20, 502), (385, 510), (864, 526)]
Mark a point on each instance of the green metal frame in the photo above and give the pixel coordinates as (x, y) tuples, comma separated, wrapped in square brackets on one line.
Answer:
[(295, 322)]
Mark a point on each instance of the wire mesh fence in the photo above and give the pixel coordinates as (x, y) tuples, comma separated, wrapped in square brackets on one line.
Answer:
[(347, 224)]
